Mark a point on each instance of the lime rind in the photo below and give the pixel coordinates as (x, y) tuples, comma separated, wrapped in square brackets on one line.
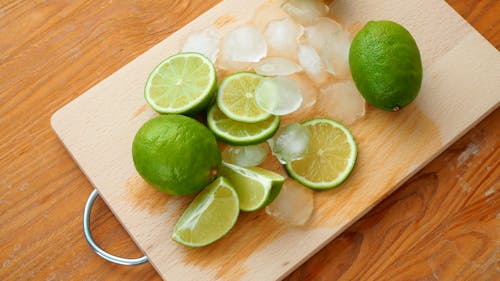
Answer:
[(216, 118), (199, 206), (228, 102), (350, 163), (204, 98), (256, 187)]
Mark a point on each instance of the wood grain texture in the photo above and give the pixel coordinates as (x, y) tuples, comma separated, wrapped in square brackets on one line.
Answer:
[(48, 58)]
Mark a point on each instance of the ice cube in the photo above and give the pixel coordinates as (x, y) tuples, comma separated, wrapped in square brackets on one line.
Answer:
[(276, 66), (291, 143), (278, 95), (309, 97), (341, 101), (244, 44), (312, 64), (205, 42), (282, 37), (305, 12), (307, 89), (294, 204), (245, 156), (267, 12), (332, 43), (230, 66)]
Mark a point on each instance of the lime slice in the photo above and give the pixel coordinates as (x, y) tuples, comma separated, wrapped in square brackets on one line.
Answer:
[(211, 215), (236, 98), (256, 187), (183, 84), (240, 133), (330, 158)]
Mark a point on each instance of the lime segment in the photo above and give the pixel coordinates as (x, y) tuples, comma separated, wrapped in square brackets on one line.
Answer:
[(256, 187), (240, 133), (236, 98), (331, 156), (211, 215), (184, 84)]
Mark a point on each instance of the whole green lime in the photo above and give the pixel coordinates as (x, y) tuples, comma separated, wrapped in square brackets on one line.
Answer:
[(386, 65), (176, 154)]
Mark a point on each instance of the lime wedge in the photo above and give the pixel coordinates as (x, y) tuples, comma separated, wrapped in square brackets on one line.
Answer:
[(183, 84), (331, 156), (256, 187), (211, 215), (236, 98), (240, 133)]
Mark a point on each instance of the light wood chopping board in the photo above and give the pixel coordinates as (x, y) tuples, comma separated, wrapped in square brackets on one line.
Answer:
[(461, 85)]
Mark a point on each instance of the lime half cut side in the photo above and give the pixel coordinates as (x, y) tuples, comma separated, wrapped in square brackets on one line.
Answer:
[(256, 187), (331, 156), (240, 133), (210, 216), (182, 84), (236, 98)]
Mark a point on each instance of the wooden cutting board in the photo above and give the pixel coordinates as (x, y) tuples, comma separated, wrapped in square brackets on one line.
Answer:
[(461, 86)]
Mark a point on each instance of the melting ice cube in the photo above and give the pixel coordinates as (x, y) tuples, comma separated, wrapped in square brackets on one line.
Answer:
[(312, 64), (332, 42), (205, 42), (245, 156), (291, 143), (267, 12), (293, 205), (305, 12), (276, 66), (244, 44), (282, 37), (278, 95), (341, 101)]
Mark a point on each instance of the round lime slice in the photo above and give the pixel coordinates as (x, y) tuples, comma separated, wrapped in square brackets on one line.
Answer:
[(330, 157), (211, 215), (240, 133), (183, 84), (236, 98), (256, 187)]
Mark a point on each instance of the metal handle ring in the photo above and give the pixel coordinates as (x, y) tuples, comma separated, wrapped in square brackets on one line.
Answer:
[(98, 250)]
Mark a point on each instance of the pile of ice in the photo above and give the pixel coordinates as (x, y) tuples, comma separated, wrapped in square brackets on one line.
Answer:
[(304, 55)]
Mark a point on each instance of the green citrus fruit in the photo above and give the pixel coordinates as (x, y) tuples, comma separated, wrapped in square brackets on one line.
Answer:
[(176, 154), (386, 65), (184, 83)]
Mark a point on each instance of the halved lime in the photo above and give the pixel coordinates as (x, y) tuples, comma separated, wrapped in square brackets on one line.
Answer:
[(331, 156), (236, 98), (256, 187), (240, 133), (183, 84), (211, 215)]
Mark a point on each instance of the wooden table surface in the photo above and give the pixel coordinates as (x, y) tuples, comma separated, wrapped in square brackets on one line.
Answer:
[(443, 224)]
